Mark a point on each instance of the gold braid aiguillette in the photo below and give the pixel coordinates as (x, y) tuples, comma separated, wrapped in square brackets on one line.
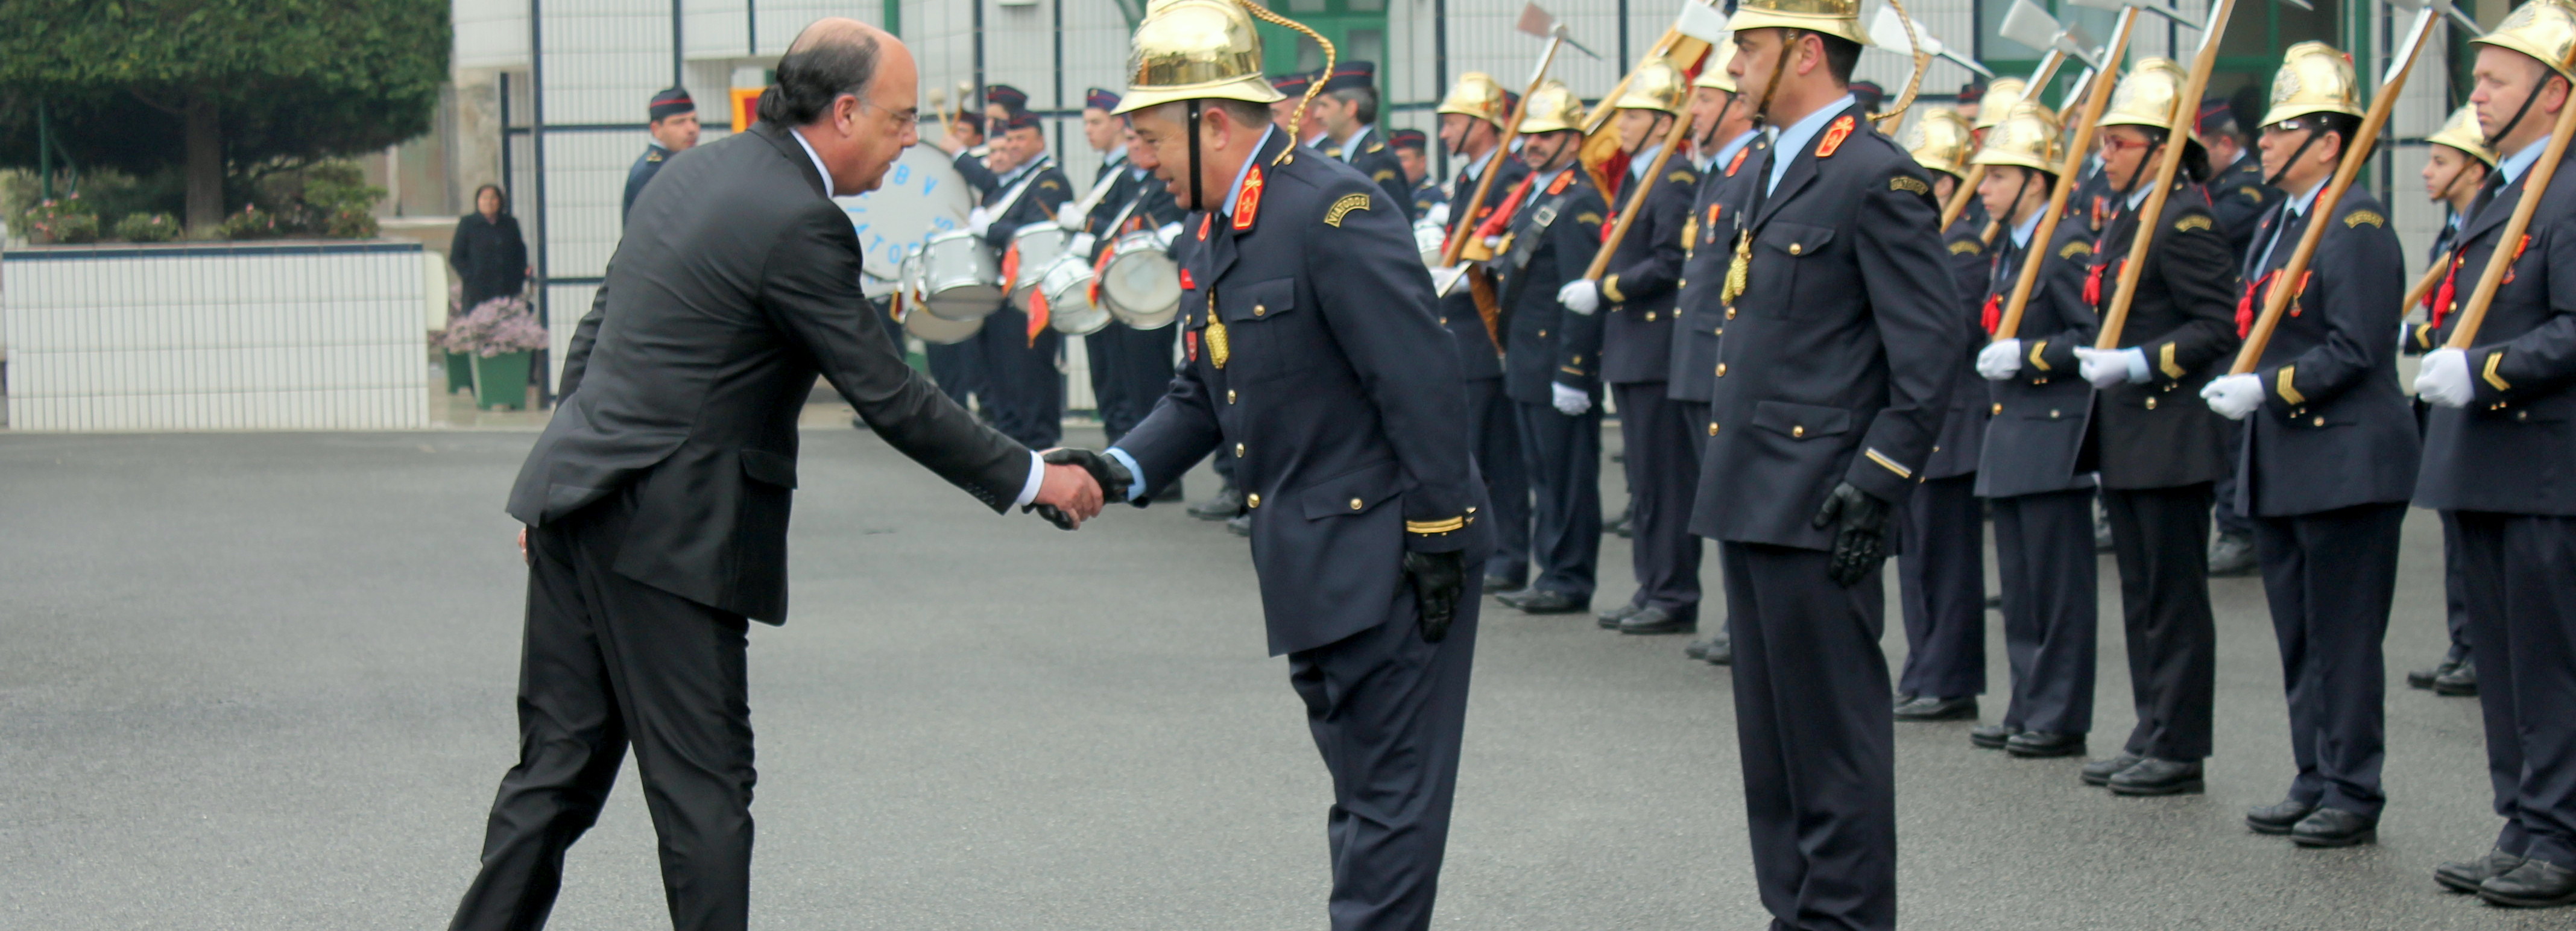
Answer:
[(1740, 271)]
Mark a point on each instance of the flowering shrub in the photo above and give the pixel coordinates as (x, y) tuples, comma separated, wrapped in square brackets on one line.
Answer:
[(66, 220), (147, 227), (496, 327), (251, 223)]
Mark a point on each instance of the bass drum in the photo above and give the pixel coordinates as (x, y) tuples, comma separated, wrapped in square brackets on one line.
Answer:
[(959, 279), (917, 319), (1141, 284), (922, 195), (1066, 282), (1040, 244)]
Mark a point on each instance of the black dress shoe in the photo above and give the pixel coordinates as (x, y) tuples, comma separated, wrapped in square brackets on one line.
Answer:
[(1928, 708), (2461, 681), (1499, 586), (1240, 525), (2534, 884), (1991, 736), (1545, 601), (2335, 827), (1654, 620), (2278, 817), (2159, 777), (2231, 555), (2468, 876), (2099, 772), (1610, 619), (1227, 503), (2423, 678), (2043, 744)]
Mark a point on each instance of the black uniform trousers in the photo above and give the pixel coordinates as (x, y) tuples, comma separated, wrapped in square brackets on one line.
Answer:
[(1022, 386), (1388, 712), (1507, 490), (607, 662), (958, 370), (1695, 417), (2052, 621), (1818, 743), (2160, 538), (2330, 578), (2225, 514), (1563, 456), (1663, 483), (2522, 632), (1941, 582), (1130, 370), (2455, 594)]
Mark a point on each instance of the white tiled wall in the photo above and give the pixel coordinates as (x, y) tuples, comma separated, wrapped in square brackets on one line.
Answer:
[(205, 338)]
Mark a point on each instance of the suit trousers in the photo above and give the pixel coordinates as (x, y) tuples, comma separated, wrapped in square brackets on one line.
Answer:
[(1696, 416), (1387, 711), (1022, 386), (2522, 632), (1507, 493), (1663, 481), (2330, 578), (607, 662), (2046, 565), (1131, 369), (1941, 581), (2225, 515), (2455, 593), (2160, 538), (1818, 743), (1563, 457), (958, 369)]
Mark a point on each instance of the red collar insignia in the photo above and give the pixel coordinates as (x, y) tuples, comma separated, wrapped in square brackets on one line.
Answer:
[(1558, 186), (1247, 205), (1186, 283), (1834, 136), (1203, 225), (1738, 161)]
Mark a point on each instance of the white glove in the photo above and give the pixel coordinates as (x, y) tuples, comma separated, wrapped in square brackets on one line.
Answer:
[(1571, 402), (1581, 296), (1438, 215), (2234, 396), (1081, 244), (2108, 367), (1069, 218), (979, 220), (1168, 234), (2444, 380), (1999, 360)]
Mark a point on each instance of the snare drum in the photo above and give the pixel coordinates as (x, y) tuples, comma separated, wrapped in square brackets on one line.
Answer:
[(1039, 244), (1141, 284), (1066, 282), (959, 279), (916, 320)]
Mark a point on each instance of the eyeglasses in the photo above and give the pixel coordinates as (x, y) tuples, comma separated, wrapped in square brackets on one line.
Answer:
[(2292, 125), (2108, 144)]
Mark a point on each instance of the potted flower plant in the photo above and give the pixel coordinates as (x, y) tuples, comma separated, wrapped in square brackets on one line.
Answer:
[(502, 335)]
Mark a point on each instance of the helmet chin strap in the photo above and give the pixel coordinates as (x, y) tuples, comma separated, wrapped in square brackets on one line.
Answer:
[(1198, 193), (2495, 142), (2275, 179)]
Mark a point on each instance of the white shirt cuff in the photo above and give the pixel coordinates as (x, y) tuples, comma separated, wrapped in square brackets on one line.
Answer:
[(1136, 476), (1037, 477)]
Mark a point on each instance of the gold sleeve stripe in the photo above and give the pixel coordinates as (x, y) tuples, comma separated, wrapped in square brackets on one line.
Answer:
[(2037, 362), (1435, 526), (2289, 390), (1610, 289), (2167, 363), (1901, 471), (2493, 360)]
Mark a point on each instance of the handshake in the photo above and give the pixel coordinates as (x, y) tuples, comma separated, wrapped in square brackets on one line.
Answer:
[(1076, 484)]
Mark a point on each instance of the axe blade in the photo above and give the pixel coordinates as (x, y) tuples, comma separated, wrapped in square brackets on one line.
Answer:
[(2029, 25), (1536, 21)]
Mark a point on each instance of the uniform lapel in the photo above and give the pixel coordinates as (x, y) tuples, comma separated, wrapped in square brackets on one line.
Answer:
[(2497, 209), (1802, 169)]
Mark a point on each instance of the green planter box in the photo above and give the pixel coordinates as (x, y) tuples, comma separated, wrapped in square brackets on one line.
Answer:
[(502, 381), (460, 372)]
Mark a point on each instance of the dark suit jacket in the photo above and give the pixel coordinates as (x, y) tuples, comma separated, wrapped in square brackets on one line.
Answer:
[(1338, 393), (1546, 343), (1377, 160), (1640, 288), (1715, 208), (1838, 362), (2513, 449), (1478, 357), (2161, 434), (736, 285), (2036, 420), (2334, 430), (1963, 422)]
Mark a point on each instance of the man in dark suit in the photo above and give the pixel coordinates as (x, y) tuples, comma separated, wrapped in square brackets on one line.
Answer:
[(1314, 354), (2497, 453), (1550, 227), (2328, 454), (1130, 367), (2036, 415), (1830, 386), (1471, 125), (1348, 109), (1723, 141), (2157, 447), (1024, 391), (1637, 325), (657, 498)]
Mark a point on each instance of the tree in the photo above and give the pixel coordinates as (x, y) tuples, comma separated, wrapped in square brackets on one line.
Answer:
[(246, 86)]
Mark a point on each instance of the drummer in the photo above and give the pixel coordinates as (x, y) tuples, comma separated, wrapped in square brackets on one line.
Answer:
[(1023, 392), (1129, 367), (965, 141), (1412, 151)]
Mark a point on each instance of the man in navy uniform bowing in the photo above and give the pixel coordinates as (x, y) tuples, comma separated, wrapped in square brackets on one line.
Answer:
[(1314, 355), (1832, 381)]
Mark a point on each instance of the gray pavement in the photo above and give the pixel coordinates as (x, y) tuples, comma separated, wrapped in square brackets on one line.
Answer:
[(264, 682)]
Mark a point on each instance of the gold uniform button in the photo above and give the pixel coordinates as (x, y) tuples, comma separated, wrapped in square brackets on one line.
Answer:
[(2151, 404), (1444, 321), (1238, 450), (1999, 410), (1795, 249), (1258, 310), (1542, 334), (1252, 500), (2052, 415), (1712, 428), (1730, 313), (1355, 504), (1229, 395), (1798, 431), (1650, 316), (2320, 421), (2517, 415)]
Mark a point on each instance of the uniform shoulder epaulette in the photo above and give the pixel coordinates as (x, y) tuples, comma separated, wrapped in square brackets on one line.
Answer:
[(652, 156), (2359, 217), (1375, 147)]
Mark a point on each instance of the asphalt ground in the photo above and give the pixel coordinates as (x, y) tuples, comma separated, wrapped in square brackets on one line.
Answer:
[(265, 682)]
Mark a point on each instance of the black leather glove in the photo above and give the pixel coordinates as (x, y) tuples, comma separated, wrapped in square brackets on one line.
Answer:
[(1113, 479), (1860, 533), (1437, 579)]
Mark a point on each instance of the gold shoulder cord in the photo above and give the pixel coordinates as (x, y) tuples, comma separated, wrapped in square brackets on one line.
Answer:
[(1263, 13), (1739, 272)]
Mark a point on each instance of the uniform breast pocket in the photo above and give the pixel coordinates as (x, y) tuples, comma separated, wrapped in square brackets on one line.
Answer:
[(1801, 421), (1266, 334), (1780, 252)]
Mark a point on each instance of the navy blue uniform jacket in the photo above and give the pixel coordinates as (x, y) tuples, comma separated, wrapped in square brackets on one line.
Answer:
[(2513, 449), (2035, 420), (1722, 192), (1643, 282), (1544, 343)]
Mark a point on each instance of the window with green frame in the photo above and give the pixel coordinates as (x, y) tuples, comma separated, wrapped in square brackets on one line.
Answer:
[(2248, 54), (1357, 29)]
